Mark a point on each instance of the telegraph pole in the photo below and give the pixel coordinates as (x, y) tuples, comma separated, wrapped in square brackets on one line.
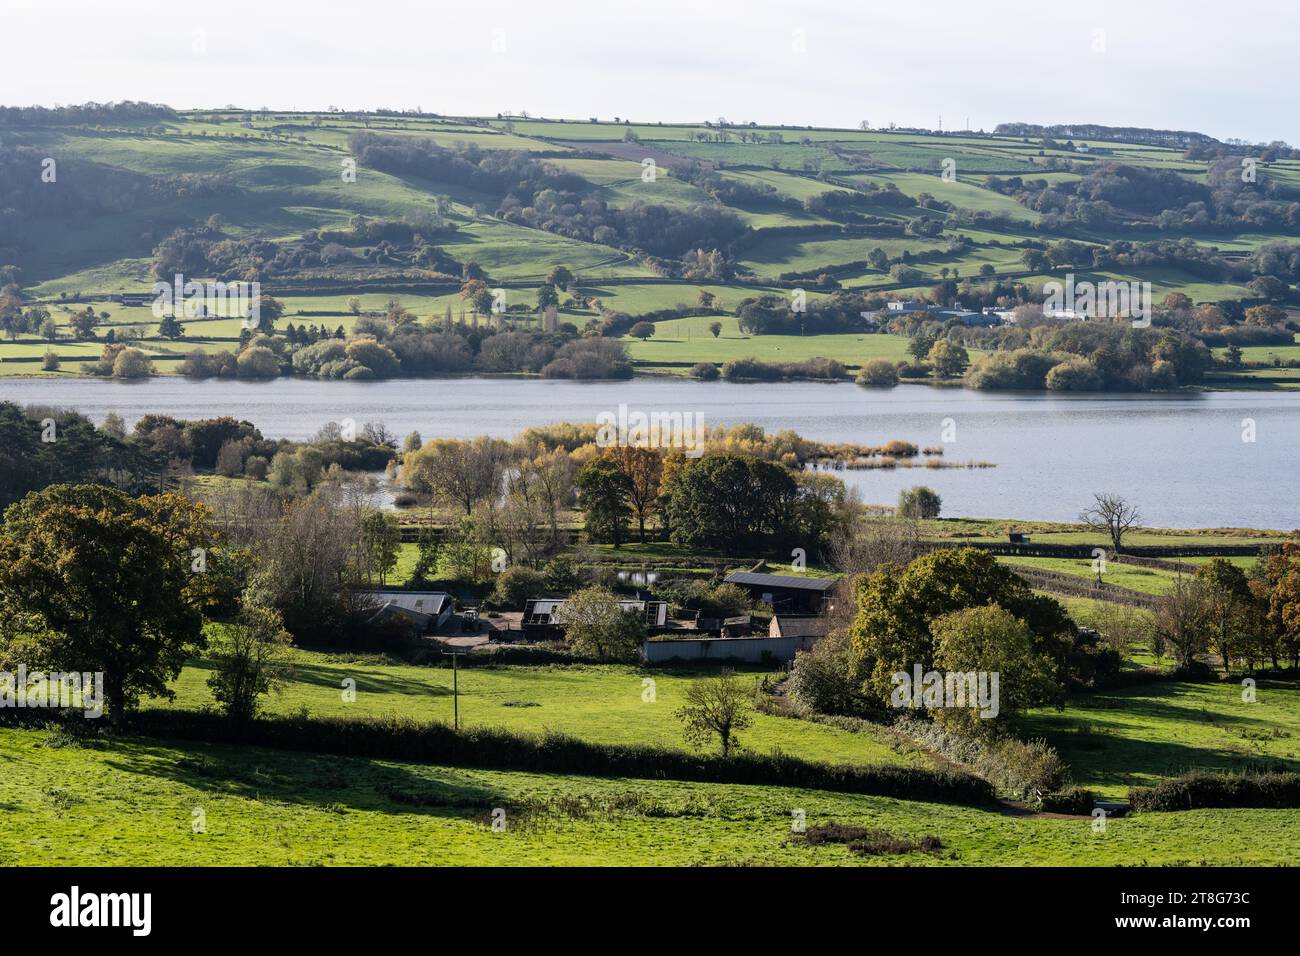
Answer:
[(455, 688)]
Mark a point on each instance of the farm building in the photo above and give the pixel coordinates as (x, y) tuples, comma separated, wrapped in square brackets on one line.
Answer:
[(540, 619), (807, 628), (790, 593), (758, 650), (425, 611)]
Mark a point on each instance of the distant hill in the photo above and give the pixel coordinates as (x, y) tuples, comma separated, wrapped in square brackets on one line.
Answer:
[(1171, 138)]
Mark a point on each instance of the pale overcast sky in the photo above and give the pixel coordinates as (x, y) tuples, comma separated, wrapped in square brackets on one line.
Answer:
[(1220, 68)]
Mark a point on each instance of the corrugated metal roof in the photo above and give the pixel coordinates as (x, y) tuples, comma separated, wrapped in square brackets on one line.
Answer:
[(421, 602), (789, 581)]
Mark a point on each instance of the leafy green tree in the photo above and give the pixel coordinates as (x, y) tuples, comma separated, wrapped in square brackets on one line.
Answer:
[(891, 629), (948, 359), (426, 560), (603, 491), (991, 640), (382, 539), (919, 502), (715, 329), (547, 297), (595, 625), (251, 657), (1231, 611), (170, 328), (729, 501), (94, 580), (716, 707)]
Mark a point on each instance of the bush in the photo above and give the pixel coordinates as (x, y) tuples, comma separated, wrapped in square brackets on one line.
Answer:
[(878, 373), (257, 361), (132, 363), (1201, 790), (1068, 800), (705, 372), (825, 680), (515, 585), (50, 362)]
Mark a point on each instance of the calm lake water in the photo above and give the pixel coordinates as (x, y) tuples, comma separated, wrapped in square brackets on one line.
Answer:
[(1180, 457)]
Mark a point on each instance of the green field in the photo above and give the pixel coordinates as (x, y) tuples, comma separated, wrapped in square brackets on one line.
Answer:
[(599, 703), (1122, 738), (689, 340), (136, 802)]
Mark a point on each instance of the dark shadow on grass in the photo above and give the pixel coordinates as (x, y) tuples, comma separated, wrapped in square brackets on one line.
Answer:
[(320, 781)]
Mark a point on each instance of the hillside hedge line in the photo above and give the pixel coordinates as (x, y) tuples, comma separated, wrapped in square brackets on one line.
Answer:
[(399, 738), (1201, 790)]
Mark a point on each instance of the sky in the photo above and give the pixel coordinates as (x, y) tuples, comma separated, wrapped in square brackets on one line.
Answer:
[(1217, 68)]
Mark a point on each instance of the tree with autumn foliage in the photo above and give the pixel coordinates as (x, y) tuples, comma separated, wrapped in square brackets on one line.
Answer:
[(644, 468)]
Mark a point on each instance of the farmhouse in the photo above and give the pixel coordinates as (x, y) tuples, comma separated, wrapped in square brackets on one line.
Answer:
[(425, 611), (785, 592), (541, 616)]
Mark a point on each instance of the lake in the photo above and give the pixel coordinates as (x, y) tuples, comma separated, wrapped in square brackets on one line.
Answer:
[(1181, 458)]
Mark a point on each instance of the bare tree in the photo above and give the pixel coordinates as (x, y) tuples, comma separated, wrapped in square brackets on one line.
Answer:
[(1112, 514)]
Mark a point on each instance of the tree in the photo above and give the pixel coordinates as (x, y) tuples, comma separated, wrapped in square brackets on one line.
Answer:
[(947, 359), (595, 625), (547, 297), (132, 363), (50, 329), (93, 580), (515, 585), (464, 472), (269, 311), (50, 361), (644, 468), (715, 329), (729, 501), (1231, 611), (560, 277), (919, 502), (83, 325), (878, 373), (991, 640), (426, 559), (257, 361), (1182, 620), (897, 605), (716, 707), (354, 305), (642, 330), (382, 540), (706, 300), (1112, 514), (603, 490), (170, 328), (251, 657)]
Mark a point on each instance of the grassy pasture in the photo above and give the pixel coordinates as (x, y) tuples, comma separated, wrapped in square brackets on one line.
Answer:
[(598, 703), (133, 802)]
